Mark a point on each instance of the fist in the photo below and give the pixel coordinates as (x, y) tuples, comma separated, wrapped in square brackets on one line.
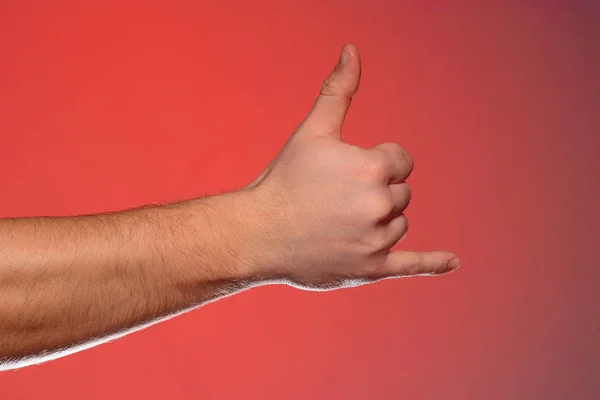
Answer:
[(329, 212)]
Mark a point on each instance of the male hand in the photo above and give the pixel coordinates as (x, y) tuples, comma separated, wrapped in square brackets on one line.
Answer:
[(330, 212)]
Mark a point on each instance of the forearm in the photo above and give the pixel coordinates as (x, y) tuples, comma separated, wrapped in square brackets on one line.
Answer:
[(69, 280)]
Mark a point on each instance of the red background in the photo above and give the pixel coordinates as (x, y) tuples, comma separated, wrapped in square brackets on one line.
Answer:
[(106, 106)]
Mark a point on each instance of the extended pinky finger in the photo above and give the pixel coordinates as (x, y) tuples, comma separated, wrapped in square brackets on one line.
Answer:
[(410, 263)]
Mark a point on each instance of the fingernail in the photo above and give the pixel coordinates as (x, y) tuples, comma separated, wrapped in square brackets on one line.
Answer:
[(345, 57), (454, 263)]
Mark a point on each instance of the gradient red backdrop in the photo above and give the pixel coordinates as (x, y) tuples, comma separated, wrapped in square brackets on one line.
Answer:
[(109, 105)]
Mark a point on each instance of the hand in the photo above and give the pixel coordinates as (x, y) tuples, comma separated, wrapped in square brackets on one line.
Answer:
[(329, 212)]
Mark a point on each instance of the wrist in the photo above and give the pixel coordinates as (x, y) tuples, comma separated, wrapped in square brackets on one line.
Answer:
[(219, 237), (245, 231)]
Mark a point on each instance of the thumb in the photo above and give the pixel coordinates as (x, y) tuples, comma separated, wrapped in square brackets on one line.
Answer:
[(330, 108), (410, 263)]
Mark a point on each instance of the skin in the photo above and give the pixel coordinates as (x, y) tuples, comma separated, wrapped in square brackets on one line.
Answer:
[(323, 215)]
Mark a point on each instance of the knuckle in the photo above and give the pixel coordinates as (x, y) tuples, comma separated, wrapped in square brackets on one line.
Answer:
[(407, 193), (409, 162), (400, 153), (402, 226), (376, 168), (380, 206), (405, 157), (405, 197), (380, 240), (394, 147)]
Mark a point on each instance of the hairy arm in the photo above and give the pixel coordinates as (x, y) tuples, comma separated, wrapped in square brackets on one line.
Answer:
[(67, 283)]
